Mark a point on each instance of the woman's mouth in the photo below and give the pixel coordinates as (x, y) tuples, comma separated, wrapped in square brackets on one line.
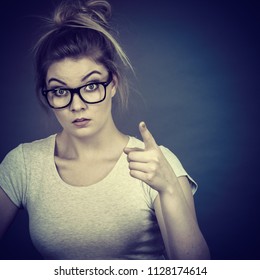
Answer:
[(82, 122)]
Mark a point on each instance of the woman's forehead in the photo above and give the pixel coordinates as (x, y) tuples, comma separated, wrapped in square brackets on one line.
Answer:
[(71, 68)]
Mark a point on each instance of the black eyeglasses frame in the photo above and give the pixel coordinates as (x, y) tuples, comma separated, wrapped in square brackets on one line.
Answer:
[(77, 90)]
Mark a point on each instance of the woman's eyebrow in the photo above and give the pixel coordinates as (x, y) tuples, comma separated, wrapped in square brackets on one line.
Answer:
[(89, 74), (56, 80), (82, 80)]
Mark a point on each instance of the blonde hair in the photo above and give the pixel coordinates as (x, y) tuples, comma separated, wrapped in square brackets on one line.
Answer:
[(81, 28)]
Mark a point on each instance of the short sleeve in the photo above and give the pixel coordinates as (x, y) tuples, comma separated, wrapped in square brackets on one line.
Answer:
[(178, 170), (13, 176)]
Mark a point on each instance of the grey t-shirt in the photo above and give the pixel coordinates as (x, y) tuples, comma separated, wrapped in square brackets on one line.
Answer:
[(112, 219)]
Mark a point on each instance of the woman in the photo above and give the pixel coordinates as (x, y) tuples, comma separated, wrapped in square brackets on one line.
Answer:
[(92, 192)]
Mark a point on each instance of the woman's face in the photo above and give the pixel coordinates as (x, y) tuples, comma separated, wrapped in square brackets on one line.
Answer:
[(79, 118)]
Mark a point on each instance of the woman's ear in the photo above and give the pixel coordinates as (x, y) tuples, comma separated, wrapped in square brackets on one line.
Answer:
[(114, 84)]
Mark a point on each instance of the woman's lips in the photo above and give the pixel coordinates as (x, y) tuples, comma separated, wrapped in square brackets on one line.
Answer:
[(81, 122)]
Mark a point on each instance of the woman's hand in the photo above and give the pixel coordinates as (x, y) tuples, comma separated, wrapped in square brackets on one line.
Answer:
[(149, 164), (174, 206)]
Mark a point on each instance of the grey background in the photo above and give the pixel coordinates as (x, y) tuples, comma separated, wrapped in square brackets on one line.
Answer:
[(197, 68)]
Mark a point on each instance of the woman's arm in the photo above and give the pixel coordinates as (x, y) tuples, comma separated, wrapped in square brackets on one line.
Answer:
[(8, 210), (176, 216), (174, 206)]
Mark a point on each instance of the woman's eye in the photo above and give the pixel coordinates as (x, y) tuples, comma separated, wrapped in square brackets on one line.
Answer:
[(91, 87), (60, 92)]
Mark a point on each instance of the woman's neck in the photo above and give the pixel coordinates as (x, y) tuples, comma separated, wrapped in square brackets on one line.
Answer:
[(102, 143)]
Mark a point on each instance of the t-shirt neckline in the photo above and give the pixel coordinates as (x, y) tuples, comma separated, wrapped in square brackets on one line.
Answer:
[(107, 177)]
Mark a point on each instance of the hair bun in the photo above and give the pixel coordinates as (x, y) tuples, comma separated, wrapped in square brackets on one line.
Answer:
[(70, 10)]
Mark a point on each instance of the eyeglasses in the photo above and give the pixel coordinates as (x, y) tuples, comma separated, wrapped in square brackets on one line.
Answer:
[(91, 93)]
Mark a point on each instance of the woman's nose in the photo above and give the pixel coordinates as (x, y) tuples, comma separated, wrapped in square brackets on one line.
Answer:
[(77, 104)]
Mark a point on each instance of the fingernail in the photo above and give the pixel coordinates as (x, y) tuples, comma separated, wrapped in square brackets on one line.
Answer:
[(143, 125)]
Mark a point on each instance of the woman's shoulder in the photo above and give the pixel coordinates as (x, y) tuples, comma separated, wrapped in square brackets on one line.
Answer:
[(40, 143), (39, 148), (32, 148)]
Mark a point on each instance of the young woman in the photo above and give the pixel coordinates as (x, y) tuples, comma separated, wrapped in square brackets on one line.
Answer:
[(92, 192)]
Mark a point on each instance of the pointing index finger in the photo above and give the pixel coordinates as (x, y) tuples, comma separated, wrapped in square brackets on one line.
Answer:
[(148, 139)]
